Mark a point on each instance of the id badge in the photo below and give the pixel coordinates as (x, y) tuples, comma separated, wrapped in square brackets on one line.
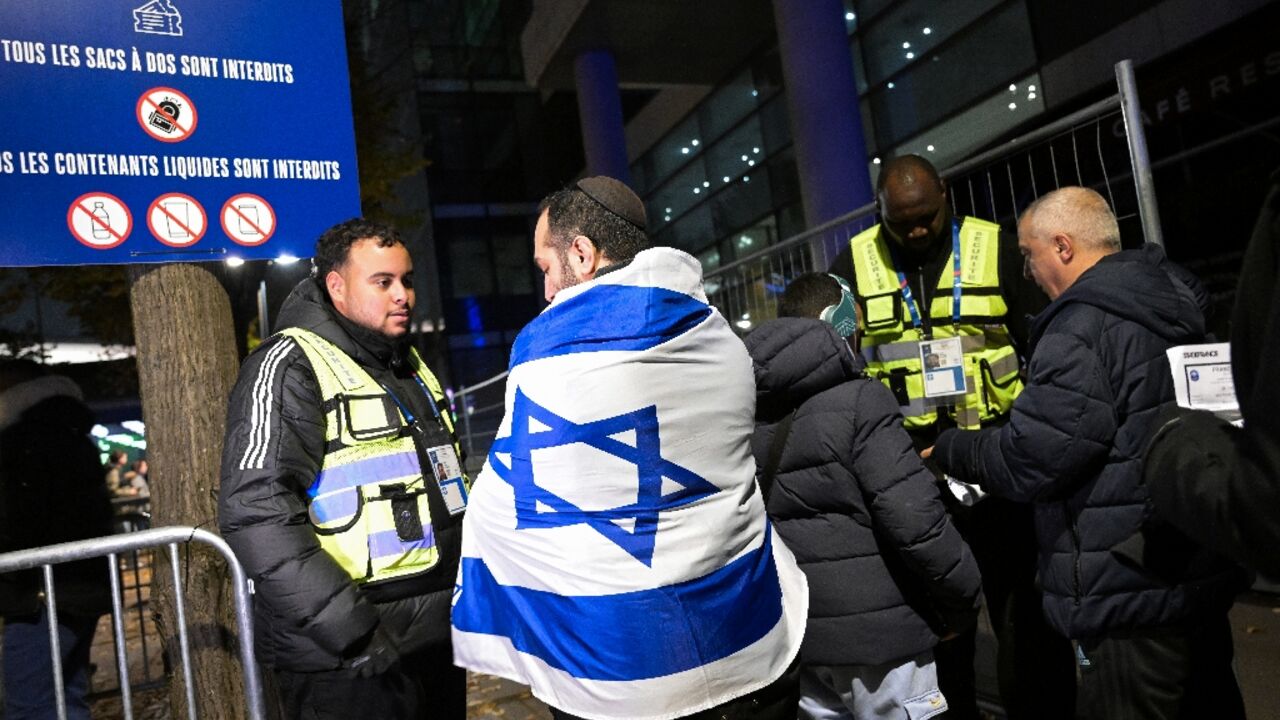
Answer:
[(448, 473), (943, 364)]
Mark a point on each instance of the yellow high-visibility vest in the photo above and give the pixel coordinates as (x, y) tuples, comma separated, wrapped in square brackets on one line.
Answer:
[(371, 474), (891, 343)]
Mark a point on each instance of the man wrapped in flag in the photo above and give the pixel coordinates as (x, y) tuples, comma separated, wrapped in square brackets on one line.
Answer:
[(616, 556)]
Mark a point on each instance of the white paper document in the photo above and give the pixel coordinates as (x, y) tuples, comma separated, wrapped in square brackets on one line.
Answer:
[(1202, 377)]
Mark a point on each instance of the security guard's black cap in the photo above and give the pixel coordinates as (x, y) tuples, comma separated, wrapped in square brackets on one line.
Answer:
[(615, 197)]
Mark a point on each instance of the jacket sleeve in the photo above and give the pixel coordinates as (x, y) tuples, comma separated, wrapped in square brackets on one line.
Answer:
[(906, 508), (1219, 485), (273, 450), (1058, 434)]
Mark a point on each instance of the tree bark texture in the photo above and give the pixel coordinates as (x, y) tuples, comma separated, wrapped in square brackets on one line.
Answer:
[(187, 364)]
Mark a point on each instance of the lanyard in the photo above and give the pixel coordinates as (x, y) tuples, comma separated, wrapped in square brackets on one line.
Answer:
[(908, 298), (408, 414)]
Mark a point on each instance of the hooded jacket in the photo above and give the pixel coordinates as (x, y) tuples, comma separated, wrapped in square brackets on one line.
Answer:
[(1073, 447), (887, 570), (309, 614), (1218, 483), (51, 491)]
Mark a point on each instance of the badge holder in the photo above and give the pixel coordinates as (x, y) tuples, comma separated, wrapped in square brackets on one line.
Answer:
[(942, 362), (448, 474)]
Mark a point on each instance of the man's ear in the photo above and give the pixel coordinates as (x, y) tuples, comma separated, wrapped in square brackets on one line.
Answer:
[(1064, 247), (584, 258), (334, 283)]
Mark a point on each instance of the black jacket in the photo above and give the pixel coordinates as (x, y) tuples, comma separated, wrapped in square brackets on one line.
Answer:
[(887, 571), (1219, 484), (309, 614), (1073, 446), (51, 491)]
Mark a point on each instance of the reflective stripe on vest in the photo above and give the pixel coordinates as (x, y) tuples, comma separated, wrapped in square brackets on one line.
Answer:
[(891, 345), (370, 472)]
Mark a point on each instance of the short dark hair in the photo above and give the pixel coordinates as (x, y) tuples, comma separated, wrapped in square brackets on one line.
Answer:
[(808, 295), (907, 165), (334, 245), (572, 212)]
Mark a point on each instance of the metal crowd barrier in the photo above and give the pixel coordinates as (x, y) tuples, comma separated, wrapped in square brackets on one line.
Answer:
[(479, 408), (111, 547), (1085, 148)]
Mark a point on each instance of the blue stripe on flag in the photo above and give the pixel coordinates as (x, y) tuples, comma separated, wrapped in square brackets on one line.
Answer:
[(609, 317), (388, 542), (629, 636), (385, 467)]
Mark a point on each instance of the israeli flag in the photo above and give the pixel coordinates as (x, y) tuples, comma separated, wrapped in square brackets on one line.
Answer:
[(616, 556)]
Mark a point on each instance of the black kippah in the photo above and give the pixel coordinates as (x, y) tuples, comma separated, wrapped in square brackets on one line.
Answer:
[(614, 196)]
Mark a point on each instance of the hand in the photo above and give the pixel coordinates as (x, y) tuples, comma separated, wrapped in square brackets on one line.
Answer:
[(378, 655), (926, 453)]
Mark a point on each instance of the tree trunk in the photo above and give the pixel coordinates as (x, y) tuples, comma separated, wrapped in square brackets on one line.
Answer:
[(187, 364)]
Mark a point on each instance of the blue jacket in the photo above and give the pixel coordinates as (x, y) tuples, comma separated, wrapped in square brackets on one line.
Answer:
[(1073, 447), (887, 570)]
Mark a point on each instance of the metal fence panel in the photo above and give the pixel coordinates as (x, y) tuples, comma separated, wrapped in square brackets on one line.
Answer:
[(111, 547)]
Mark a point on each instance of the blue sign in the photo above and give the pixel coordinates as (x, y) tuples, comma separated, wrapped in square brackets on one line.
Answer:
[(172, 130)]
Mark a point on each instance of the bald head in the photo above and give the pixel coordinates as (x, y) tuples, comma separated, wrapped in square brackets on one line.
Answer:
[(1065, 233), (913, 202)]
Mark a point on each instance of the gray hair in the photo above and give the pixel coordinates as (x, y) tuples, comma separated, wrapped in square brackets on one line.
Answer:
[(1078, 212)]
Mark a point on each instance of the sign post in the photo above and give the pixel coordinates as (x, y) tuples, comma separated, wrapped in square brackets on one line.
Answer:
[(125, 124)]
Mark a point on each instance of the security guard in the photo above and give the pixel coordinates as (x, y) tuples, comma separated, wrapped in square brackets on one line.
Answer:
[(944, 317), (343, 493)]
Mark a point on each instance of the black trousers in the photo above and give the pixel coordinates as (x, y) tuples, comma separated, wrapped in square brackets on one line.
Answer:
[(423, 686), (1034, 665), (1166, 673), (779, 700)]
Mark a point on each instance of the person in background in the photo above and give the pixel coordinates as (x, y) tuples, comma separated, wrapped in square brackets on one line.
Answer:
[(889, 575), (51, 491)]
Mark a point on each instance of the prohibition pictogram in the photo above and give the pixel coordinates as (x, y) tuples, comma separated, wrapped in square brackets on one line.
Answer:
[(248, 219), (167, 114), (177, 220), (99, 220)]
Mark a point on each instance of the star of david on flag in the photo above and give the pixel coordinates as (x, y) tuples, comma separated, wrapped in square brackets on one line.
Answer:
[(534, 427)]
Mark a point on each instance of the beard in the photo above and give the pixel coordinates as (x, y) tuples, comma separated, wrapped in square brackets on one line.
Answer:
[(568, 278)]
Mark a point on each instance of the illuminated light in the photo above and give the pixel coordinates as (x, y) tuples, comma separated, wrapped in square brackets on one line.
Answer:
[(746, 179), (235, 261), (1013, 88), (754, 93), (697, 190), (667, 218), (706, 184), (755, 150), (286, 260), (1013, 106), (850, 16), (911, 56), (1031, 88), (745, 158), (906, 45), (1031, 96), (930, 148), (726, 178), (684, 151), (745, 241), (890, 86), (667, 210), (746, 316), (99, 431), (694, 142), (752, 163), (134, 426), (875, 161), (744, 324), (927, 31)]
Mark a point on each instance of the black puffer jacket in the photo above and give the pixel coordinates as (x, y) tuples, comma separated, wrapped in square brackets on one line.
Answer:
[(887, 571), (1074, 443), (51, 491), (309, 615)]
